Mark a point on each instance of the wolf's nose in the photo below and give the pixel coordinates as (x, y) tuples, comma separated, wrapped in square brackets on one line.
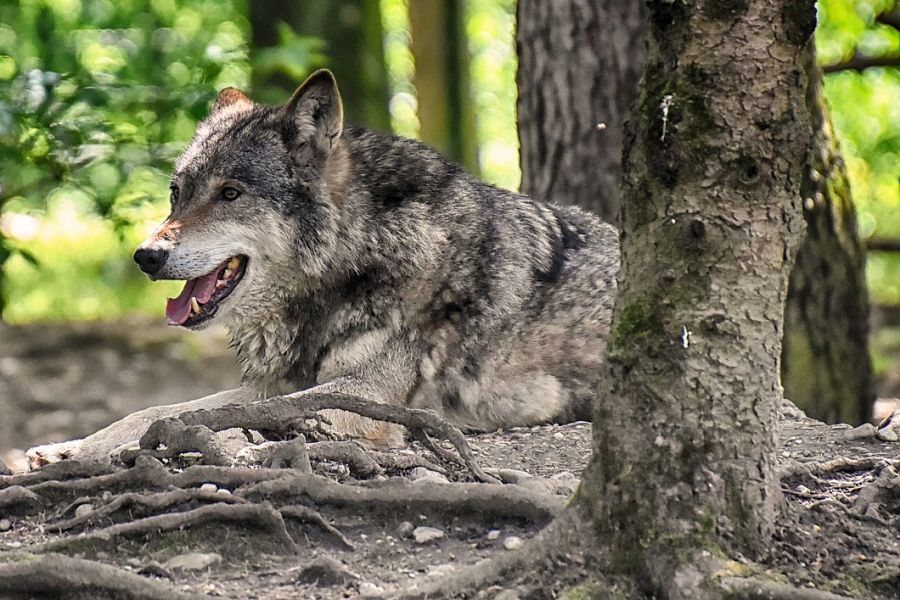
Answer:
[(150, 260)]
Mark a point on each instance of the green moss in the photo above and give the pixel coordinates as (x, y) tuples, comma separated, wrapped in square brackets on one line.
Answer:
[(638, 324), (584, 591)]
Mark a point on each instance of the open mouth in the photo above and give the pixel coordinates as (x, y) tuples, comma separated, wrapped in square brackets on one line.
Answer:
[(201, 296)]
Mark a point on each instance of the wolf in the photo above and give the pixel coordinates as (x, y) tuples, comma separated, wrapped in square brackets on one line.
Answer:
[(341, 259)]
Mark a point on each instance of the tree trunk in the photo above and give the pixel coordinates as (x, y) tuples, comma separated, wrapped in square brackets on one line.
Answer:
[(711, 217), (826, 366), (445, 108), (579, 64), (353, 36)]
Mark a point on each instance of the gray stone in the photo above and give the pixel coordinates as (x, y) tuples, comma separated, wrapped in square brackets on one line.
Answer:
[(370, 590), (325, 571), (423, 474), (405, 529), (864, 431), (493, 534), (423, 535), (209, 488), (193, 561), (83, 510), (889, 428), (5, 525)]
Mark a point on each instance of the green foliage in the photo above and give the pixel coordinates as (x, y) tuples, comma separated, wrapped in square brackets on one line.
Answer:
[(96, 98), (865, 110)]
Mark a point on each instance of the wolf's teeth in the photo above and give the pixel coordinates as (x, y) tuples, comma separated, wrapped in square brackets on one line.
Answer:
[(195, 305), (220, 284), (228, 273), (234, 263)]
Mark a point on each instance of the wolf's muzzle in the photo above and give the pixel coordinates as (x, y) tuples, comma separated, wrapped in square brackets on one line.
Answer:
[(150, 260)]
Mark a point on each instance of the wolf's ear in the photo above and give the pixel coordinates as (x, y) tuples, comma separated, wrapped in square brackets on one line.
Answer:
[(230, 98), (314, 116)]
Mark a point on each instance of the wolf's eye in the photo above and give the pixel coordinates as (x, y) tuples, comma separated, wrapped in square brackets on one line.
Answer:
[(230, 193), (173, 193)]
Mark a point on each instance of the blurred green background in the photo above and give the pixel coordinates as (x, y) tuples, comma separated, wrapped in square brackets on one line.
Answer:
[(97, 97)]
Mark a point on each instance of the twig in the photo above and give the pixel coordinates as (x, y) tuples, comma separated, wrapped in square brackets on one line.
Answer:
[(308, 515), (56, 575), (861, 62)]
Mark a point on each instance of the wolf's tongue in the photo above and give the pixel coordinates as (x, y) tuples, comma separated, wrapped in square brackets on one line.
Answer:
[(179, 309)]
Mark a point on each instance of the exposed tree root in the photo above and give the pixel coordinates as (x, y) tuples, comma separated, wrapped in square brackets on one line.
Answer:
[(292, 454), (308, 515), (149, 502), (277, 415), (757, 589), (60, 471), (491, 500), (17, 499), (261, 515), (566, 539), (350, 453), (59, 576), (842, 464)]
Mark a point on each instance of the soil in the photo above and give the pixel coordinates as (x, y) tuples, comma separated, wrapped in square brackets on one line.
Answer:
[(838, 529)]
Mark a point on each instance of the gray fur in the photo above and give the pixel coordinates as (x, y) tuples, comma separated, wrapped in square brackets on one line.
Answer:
[(378, 267)]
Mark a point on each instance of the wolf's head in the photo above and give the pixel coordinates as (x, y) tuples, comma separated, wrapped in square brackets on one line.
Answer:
[(253, 203)]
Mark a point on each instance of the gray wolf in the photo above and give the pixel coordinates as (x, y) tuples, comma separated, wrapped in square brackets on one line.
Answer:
[(342, 259)]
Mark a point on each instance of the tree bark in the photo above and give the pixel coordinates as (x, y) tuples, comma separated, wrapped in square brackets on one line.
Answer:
[(684, 434), (579, 64), (826, 366), (445, 108), (353, 36)]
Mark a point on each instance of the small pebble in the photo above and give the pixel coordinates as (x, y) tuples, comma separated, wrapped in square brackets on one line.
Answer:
[(13, 544), (405, 529), (5, 525), (440, 570), (83, 510), (493, 534), (209, 488), (513, 543), (423, 535), (193, 561), (423, 474), (370, 590), (224, 492)]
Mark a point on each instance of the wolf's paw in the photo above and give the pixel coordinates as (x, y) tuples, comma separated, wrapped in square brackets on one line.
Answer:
[(52, 453)]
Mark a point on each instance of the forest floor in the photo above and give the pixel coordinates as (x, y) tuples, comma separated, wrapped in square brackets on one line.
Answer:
[(66, 525), (838, 529)]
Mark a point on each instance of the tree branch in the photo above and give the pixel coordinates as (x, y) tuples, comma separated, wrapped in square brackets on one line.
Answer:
[(861, 62)]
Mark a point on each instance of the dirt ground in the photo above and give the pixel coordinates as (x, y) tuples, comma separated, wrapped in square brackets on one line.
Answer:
[(823, 539), (838, 528)]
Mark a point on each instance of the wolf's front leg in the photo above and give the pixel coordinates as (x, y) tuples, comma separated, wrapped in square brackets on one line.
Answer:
[(97, 447)]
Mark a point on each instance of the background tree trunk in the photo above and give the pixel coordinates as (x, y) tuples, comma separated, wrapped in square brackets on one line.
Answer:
[(445, 108), (826, 366), (353, 36), (711, 217), (578, 58), (579, 64)]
